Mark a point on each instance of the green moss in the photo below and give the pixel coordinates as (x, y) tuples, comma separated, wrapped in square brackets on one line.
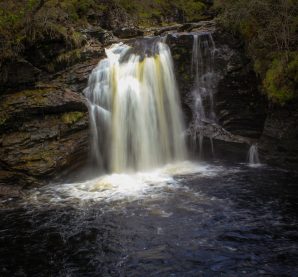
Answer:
[(262, 25), (193, 10), (33, 97), (282, 78), (65, 59), (176, 56), (3, 118), (72, 117), (186, 77)]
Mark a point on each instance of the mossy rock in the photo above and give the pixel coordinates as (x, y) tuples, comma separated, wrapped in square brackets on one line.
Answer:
[(72, 117)]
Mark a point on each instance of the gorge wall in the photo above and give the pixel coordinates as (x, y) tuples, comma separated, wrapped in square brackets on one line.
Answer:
[(44, 116)]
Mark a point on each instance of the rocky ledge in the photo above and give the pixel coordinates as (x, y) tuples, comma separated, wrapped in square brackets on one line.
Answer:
[(43, 132), (44, 116)]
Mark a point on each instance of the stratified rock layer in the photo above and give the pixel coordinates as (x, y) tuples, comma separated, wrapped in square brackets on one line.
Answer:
[(43, 131)]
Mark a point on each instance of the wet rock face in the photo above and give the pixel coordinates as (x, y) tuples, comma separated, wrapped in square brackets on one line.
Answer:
[(181, 48), (239, 106), (43, 131), (278, 144)]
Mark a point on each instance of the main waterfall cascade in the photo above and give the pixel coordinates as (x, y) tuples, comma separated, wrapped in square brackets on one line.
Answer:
[(204, 86), (135, 113)]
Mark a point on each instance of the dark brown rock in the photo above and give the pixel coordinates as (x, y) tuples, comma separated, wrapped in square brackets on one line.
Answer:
[(278, 144), (22, 105), (128, 32), (116, 17), (18, 73), (239, 104), (44, 131)]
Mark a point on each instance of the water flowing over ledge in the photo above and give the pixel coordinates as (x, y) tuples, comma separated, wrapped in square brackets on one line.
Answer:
[(135, 113)]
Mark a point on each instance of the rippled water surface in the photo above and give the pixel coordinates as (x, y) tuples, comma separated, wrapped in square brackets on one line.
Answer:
[(181, 220)]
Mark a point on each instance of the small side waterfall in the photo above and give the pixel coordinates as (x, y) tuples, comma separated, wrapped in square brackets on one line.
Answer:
[(135, 113), (253, 155), (205, 79), (204, 87)]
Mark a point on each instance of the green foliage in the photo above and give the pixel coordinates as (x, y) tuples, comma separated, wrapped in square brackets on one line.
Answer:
[(282, 78), (150, 10), (269, 28), (24, 23), (3, 118), (192, 10)]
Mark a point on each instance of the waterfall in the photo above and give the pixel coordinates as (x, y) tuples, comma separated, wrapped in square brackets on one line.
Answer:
[(204, 87), (253, 155), (135, 111), (205, 79)]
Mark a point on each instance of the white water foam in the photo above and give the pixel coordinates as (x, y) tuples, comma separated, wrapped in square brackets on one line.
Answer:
[(126, 186)]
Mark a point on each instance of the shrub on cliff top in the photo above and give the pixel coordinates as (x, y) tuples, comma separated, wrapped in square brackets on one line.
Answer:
[(269, 28), (282, 78), (25, 22), (148, 10)]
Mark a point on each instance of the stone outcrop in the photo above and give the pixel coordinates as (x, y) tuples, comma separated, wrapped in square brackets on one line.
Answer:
[(241, 108), (44, 120), (278, 144), (43, 131), (18, 73), (239, 105), (128, 32)]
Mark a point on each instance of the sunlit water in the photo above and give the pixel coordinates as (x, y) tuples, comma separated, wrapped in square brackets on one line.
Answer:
[(184, 219)]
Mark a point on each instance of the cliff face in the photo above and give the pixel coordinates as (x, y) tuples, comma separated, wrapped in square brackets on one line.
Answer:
[(278, 143), (44, 115), (240, 107), (44, 121)]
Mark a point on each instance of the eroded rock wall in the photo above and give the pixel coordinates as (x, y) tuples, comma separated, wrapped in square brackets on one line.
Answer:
[(279, 142), (240, 107), (43, 131)]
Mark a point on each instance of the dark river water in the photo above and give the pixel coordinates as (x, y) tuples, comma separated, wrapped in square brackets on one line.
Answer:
[(182, 220)]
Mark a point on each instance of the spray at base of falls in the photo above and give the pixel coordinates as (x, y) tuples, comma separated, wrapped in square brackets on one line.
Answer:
[(204, 88), (135, 113)]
